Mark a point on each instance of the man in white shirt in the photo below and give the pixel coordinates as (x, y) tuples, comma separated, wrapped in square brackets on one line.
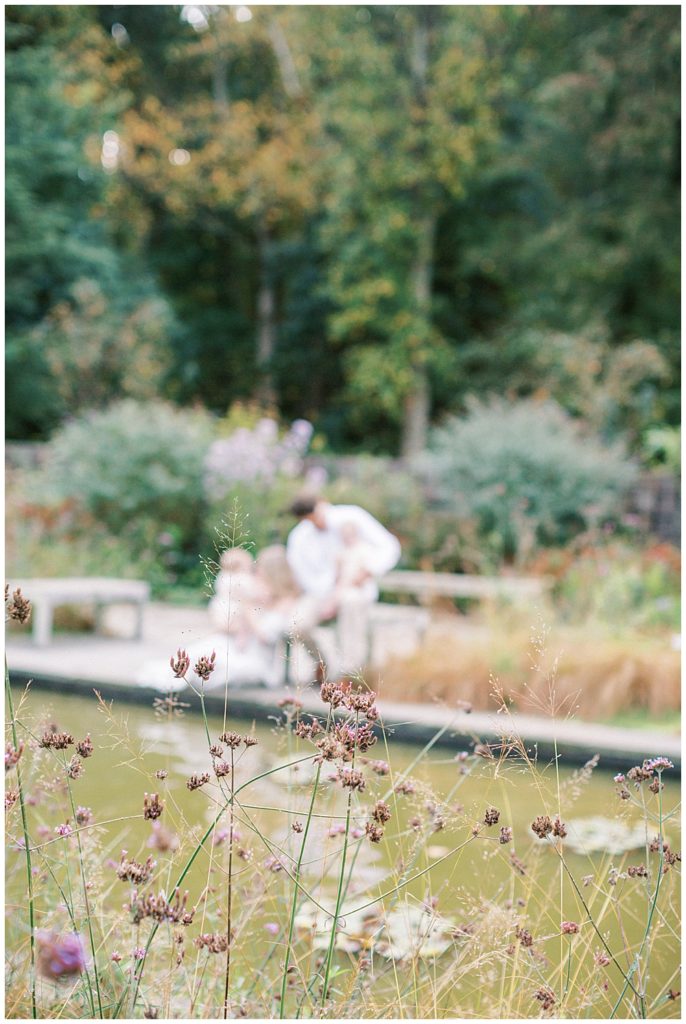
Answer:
[(315, 548)]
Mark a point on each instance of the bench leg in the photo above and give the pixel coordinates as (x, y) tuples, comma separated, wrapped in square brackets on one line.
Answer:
[(99, 617), (42, 623), (138, 634)]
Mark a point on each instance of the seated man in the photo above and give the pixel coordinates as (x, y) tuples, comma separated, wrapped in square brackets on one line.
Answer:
[(316, 551)]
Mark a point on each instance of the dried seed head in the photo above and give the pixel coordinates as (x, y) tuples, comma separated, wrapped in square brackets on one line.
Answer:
[(12, 755), (56, 740), (221, 768), (381, 812), (297, 826), (492, 816), (524, 936), (132, 871), (546, 997), (375, 832), (505, 835), (332, 693), (196, 781), (351, 778), (542, 826), (570, 928), (559, 828), (83, 816), (75, 768), (232, 739), (250, 741), (204, 666), (152, 806), (85, 747), (180, 664), (18, 607)]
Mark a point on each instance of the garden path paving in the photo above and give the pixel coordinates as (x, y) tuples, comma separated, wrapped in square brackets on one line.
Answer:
[(80, 663)]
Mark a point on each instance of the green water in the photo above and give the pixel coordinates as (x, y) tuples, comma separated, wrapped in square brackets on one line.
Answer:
[(476, 882)]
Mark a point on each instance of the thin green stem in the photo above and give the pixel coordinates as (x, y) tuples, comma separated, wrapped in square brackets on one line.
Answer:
[(196, 851), (89, 922), (228, 901), (646, 933), (339, 901), (27, 847), (627, 977), (294, 902)]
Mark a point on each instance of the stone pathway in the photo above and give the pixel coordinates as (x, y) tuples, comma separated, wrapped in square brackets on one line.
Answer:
[(78, 663)]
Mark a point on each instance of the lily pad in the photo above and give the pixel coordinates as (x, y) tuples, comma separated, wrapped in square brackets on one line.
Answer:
[(403, 933), (603, 835)]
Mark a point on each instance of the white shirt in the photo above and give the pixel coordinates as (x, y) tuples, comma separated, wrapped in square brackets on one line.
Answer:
[(313, 553)]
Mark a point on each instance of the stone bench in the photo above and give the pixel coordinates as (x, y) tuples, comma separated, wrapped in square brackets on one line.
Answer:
[(427, 585), (47, 594)]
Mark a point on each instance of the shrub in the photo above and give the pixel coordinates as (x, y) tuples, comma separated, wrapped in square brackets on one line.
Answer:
[(134, 464), (252, 474), (526, 471)]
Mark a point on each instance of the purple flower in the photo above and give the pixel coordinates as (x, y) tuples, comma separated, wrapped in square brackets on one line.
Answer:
[(139, 954), (63, 830), (657, 764), (620, 778), (59, 955), (272, 928)]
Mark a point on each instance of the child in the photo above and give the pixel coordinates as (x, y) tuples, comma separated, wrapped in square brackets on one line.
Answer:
[(238, 591), (353, 563)]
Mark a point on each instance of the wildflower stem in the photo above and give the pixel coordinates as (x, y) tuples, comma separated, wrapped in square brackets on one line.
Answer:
[(653, 904), (27, 847), (87, 909), (339, 900), (191, 860), (228, 898), (341, 879), (294, 902), (627, 977)]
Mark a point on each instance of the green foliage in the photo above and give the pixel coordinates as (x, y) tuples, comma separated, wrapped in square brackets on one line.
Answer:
[(615, 583), (379, 211), (134, 467), (526, 472), (85, 323), (662, 447)]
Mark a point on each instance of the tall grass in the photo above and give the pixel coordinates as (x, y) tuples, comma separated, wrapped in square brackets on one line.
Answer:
[(324, 882)]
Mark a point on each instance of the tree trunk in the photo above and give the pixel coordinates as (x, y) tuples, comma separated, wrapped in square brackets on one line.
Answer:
[(417, 406), (266, 319)]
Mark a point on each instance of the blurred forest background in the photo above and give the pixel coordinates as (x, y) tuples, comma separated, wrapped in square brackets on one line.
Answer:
[(363, 215)]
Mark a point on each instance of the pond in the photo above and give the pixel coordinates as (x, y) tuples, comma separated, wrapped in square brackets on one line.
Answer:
[(477, 899)]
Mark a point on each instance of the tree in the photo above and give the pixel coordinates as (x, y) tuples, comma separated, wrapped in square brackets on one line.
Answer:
[(57, 240), (405, 103)]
